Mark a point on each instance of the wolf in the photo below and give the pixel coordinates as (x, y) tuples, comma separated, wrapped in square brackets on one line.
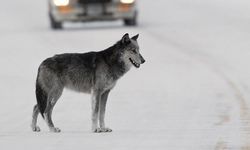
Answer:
[(93, 72)]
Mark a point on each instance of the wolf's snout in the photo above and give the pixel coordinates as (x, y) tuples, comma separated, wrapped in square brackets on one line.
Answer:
[(142, 59)]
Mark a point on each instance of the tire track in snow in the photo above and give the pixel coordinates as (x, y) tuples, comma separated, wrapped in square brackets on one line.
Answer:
[(221, 145), (209, 63)]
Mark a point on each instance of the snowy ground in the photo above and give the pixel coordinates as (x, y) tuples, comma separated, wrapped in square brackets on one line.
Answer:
[(191, 94)]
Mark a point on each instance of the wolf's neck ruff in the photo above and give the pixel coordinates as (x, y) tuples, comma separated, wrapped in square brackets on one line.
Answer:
[(112, 56)]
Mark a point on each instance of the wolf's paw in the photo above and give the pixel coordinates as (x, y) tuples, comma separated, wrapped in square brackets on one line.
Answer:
[(35, 129), (106, 130), (96, 130), (54, 129)]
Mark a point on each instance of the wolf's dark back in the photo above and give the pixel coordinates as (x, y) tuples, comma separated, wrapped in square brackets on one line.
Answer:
[(62, 62)]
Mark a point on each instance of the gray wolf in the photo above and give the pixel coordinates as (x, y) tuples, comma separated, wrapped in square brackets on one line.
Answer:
[(95, 73)]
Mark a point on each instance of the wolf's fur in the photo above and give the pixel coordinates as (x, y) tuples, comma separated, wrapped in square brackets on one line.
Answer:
[(93, 72)]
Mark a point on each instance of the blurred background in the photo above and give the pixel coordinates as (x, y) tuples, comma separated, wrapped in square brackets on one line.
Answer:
[(192, 93)]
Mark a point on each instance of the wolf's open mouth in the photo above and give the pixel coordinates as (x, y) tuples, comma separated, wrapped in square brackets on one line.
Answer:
[(134, 63)]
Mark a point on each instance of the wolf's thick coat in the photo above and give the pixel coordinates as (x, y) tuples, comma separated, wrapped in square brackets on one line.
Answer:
[(92, 72)]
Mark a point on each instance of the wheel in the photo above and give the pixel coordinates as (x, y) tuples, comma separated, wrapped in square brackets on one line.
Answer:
[(54, 24), (131, 21)]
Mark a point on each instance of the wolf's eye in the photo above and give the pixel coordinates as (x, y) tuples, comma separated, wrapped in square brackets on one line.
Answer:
[(133, 50)]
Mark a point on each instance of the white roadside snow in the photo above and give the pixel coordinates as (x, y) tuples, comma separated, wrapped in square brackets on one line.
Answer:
[(191, 94)]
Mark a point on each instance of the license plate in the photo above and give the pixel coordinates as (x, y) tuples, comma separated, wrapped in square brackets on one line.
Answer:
[(94, 9)]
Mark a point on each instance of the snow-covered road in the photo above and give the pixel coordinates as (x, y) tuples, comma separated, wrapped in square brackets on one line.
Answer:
[(191, 94)]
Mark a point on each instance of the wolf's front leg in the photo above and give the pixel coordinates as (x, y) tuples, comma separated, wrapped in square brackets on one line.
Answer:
[(102, 108), (96, 96)]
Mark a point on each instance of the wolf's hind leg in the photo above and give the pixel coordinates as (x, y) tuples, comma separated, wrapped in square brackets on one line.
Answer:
[(34, 127), (102, 108), (48, 119), (48, 112)]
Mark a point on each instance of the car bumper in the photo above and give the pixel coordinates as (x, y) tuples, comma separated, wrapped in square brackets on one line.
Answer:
[(78, 12)]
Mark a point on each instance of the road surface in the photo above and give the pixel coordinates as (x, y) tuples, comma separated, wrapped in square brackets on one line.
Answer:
[(191, 94)]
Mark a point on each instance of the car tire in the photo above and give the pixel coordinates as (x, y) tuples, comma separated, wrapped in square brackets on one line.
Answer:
[(55, 24), (131, 21)]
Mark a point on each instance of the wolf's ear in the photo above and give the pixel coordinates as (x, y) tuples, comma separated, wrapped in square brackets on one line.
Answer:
[(125, 39), (135, 37)]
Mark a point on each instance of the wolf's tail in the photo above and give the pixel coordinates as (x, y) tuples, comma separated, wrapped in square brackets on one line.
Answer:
[(41, 97)]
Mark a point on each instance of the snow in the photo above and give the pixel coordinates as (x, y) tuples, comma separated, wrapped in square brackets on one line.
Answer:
[(191, 94)]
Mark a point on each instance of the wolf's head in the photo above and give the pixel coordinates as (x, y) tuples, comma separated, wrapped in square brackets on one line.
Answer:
[(130, 51)]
